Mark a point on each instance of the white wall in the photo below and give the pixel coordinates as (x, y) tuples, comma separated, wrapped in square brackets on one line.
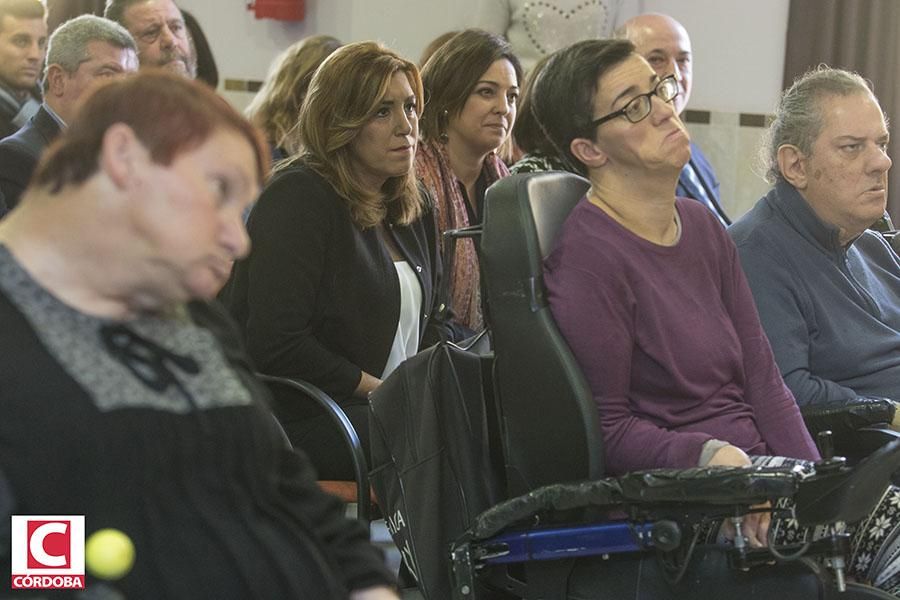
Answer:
[(244, 46), (738, 65), (738, 51), (738, 45), (738, 58)]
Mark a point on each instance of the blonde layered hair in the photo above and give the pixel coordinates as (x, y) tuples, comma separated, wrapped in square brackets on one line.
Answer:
[(276, 106), (344, 95)]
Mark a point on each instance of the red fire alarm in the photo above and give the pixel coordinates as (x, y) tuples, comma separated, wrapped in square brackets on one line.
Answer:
[(283, 10)]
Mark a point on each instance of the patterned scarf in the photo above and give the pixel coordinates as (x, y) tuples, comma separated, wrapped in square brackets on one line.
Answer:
[(433, 170)]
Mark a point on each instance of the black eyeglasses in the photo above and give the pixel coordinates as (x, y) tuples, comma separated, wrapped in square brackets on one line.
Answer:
[(639, 107)]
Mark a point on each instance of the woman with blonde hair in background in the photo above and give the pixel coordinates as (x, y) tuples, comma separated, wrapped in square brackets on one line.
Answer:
[(276, 106), (341, 285), (472, 85)]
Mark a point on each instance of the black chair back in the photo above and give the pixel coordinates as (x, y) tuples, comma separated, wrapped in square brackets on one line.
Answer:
[(548, 419), (286, 391)]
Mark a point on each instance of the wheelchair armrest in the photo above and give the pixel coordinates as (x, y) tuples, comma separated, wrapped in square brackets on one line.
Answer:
[(845, 418), (833, 494), (556, 497), (844, 493), (348, 432), (710, 486)]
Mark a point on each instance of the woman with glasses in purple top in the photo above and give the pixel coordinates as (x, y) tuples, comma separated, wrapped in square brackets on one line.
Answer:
[(648, 291)]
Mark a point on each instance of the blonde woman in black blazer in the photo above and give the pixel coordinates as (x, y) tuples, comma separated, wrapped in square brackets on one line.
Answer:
[(319, 297)]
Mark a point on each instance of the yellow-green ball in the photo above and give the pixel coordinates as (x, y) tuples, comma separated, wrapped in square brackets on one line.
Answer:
[(109, 554)]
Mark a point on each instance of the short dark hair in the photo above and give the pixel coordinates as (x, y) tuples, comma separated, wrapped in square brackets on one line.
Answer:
[(526, 132), (22, 9), (452, 73), (169, 114), (115, 10), (561, 99)]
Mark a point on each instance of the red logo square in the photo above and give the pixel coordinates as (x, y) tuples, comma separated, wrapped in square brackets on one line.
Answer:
[(49, 544), (47, 552)]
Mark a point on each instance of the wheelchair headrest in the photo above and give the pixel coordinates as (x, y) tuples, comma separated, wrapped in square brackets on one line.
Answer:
[(551, 198), (541, 203)]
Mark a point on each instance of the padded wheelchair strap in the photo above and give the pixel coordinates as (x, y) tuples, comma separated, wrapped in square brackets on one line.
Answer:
[(701, 486)]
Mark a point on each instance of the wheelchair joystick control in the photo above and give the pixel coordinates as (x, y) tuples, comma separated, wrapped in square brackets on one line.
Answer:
[(825, 442), (829, 462)]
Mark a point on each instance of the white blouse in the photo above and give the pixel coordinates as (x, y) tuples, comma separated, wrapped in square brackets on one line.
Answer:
[(406, 340)]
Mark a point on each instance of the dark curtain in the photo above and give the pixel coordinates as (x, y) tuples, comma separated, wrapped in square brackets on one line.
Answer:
[(60, 11), (858, 35)]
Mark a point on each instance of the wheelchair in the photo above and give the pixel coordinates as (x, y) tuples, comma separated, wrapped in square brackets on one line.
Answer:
[(564, 531)]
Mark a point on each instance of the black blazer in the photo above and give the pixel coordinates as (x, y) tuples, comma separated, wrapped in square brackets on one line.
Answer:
[(318, 298), (20, 153)]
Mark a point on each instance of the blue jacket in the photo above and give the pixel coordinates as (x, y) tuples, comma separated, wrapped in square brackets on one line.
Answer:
[(709, 185), (831, 313)]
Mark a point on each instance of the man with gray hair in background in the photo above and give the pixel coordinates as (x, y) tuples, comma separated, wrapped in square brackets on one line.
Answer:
[(81, 53), (827, 288), (159, 29)]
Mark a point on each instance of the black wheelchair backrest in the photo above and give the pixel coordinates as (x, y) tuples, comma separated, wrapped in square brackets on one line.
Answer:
[(549, 421)]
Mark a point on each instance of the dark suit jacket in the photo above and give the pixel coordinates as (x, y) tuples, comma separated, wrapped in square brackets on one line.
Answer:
[(318, 298), (9, 110), (707, 177), (20, 152)]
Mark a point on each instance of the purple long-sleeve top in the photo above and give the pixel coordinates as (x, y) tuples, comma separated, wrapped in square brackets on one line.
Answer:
[(670, 342)]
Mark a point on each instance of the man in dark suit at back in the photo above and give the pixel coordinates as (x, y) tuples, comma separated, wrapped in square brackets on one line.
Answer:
[(23, 40), (665, 44), (82, 52)]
